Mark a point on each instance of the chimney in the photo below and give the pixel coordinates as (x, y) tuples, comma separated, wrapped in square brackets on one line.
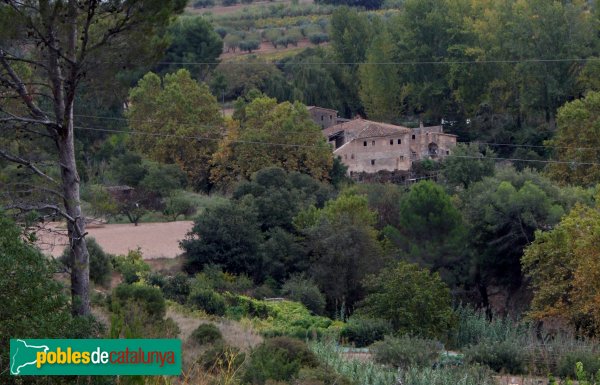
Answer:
[(420, 123)]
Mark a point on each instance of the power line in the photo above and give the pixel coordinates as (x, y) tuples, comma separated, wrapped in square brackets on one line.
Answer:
[(264, 143), (464, 142), (409, 62)]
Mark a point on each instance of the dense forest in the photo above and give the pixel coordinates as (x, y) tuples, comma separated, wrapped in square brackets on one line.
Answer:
[(144, 111)]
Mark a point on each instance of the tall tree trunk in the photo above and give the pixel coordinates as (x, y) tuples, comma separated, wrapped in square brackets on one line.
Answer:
[(80, 272)]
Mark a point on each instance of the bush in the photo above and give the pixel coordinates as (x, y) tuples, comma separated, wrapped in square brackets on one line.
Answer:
[(303, 290), (177, 288), (278, 359), (505, 356), (249, 45), (589, 359), (318, 38), (321, 376), (209, 301), (100, 262), (131, 266), (469, 375), (365, 331), (221, 356), (406, 352), (178, 204), (227, 3), (203, 3), (149, 298), (206, 334)]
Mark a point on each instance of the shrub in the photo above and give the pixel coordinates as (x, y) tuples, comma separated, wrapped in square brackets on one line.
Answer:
[(405, 352), (391, 296), (209, 301), (100, 262), (203, 3), (504, 356), (303, 290), (131, 266), (206, 334), (318, 38), (177, 288), (473, 326), (589, 359), (220, 355), (321, 376), (227, 3), (156, 279), (249, 45), (178, 204), (364, 331), (470, 375), (278, 359), (149, 298)]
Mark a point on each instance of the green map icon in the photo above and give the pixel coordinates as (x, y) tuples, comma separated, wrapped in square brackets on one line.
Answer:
[(23, 354)]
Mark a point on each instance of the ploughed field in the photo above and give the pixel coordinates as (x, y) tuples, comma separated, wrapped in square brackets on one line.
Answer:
[(156, 240)]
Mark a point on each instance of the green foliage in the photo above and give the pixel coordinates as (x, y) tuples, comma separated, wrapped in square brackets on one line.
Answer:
[(281, 318), (504, 356), (33, 303), (162, 179), (563, 266), (221, 354), (193, 40), (179, 204), (100, 262), (576, 137), (407, 352), (304, 290), (469, 163), (278, 359), (431, 231), (414, 300), (227, 234), (128, 169), (148, 298), (209, 301), (176, 288), (206, 334), (504, 212), (338, 271), (184, 108), (474, 326), (567, 367), (265, 120), (365, 331), (469, 375), (131, 266)]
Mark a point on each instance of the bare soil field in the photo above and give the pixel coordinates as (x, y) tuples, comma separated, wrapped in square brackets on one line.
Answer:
[(156, 240)]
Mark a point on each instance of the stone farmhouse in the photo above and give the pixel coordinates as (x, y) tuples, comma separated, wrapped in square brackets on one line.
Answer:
[(370, 147)]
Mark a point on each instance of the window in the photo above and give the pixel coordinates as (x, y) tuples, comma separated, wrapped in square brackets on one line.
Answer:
[(330, 117), (447, 152), (401, 157), (372, 143), (321, 118), (391, 142), (352, 156), (372, 162), (413, 137), (399, 141), (365, 143)]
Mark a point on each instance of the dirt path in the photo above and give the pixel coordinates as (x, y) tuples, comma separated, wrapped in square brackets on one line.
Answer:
[(156, 240)]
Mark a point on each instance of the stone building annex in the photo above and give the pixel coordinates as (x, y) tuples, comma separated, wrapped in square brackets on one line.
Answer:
[(369, 147)]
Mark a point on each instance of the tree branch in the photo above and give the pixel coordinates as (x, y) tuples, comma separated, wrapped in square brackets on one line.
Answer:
[(28, 164)]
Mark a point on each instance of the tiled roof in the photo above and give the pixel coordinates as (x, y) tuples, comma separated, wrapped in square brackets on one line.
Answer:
[(362, 128)]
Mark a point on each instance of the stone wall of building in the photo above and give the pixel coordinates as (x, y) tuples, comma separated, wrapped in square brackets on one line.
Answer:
[(373, 154)]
